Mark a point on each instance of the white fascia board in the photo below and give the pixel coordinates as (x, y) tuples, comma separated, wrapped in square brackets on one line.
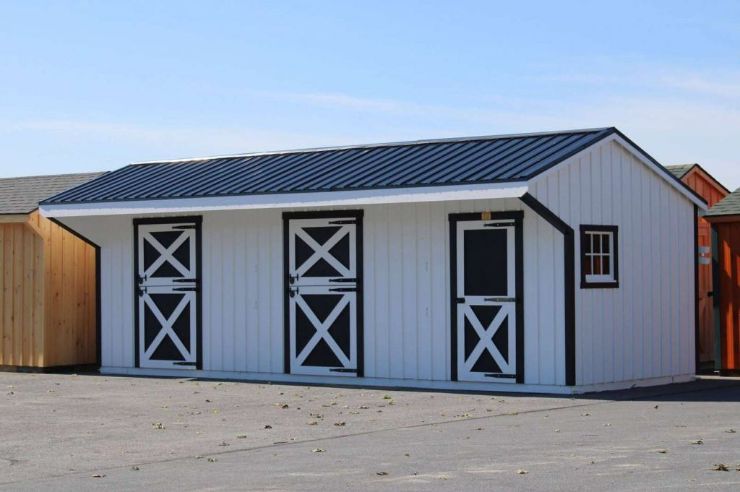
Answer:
[(290, 200)]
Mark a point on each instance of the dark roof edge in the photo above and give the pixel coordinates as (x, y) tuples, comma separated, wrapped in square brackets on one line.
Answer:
[(374, 145), (702, 169), (666, 172), (61, 175)]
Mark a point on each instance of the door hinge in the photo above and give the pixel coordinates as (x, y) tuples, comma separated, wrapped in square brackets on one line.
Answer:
[(343, 289), (460, 300), (184, 227), (184, 363), (186, 280), (345, 280), (343, 221), (185, 289), (342, 369), (499, 375), (500, 299)]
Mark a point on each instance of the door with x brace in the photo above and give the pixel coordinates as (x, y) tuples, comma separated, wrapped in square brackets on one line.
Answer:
[(485, 308), (167, 289), (323, 297)]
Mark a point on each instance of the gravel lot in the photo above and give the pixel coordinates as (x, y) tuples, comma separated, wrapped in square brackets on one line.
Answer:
[(79, 432)]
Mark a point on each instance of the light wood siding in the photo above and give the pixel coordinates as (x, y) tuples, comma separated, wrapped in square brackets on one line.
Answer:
[(644, 328), (48, 295), (406, 289)]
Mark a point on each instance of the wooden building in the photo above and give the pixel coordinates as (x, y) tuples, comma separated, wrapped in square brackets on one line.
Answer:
[(551, 262), (725, 220), (712, 191), (47, 280)]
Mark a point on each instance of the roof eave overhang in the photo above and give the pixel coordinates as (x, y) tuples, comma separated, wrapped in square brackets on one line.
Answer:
[(289, 200)]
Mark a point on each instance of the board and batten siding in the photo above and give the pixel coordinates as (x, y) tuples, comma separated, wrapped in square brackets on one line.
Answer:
[(645, 327), (47, 295), (406, 290)]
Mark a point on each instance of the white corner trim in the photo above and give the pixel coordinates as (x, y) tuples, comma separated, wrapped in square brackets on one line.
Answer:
[(291, 200)]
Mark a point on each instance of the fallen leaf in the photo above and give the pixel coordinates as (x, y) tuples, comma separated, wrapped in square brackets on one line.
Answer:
[(662, 451), (521, 472), (720, 467), (698, 441), (381, 473), (731, 431), (241, 436), (212, 460), (317, 450), (313, 422), (135, 468), (99, 475), (158, 425), (268, 427), (339, 424)]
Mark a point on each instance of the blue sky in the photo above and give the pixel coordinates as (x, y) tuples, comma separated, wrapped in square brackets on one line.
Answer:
[(90, 86)]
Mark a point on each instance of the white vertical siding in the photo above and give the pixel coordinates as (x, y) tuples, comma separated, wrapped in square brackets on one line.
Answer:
[(406, 290), (644, 328)]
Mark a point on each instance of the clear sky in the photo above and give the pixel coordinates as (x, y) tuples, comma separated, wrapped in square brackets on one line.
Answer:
[(94, 85)]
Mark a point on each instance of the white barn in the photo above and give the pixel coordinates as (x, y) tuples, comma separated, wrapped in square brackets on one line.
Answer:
[(551, 262)]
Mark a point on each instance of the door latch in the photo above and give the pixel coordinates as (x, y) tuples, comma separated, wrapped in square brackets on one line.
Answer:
[(293, 278), (293, 291)]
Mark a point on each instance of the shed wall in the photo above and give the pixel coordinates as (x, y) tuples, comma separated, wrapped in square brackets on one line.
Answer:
[(48, 295), (712, 193), (645, 328), (406, 289), (728, 241)]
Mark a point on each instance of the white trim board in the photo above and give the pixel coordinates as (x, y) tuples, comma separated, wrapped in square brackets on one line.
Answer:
[(291, 200), (343, 381), (400, 384)]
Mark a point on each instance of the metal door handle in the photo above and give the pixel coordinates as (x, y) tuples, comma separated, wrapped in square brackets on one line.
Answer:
[(342, 369), (343, 289), (499, 299), (348, 280)]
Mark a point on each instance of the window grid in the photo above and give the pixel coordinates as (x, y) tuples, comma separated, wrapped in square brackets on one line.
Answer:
[(599, 255)]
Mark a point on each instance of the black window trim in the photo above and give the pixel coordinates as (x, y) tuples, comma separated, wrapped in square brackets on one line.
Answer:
[(585, 228)]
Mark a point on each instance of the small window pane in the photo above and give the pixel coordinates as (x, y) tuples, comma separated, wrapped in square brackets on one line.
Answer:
[(596, 238), (587, 264), (606, 265), (597, 265), (607, 243)]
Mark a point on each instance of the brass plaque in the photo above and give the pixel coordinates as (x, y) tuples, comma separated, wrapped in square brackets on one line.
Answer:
[(485, 216)]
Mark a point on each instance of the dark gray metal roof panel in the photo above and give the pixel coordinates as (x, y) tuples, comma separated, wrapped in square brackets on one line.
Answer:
[(22, 195), (472, 160), (729, 205)]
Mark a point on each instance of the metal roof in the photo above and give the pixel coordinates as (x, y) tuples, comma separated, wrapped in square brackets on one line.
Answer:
[(729, 205), (474, 160), (22, 195), (680, 170)]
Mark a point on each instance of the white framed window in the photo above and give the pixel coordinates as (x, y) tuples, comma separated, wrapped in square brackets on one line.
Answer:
[(599, 256)]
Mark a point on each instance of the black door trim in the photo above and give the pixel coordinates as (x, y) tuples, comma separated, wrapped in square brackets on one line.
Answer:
[(198, 220), (357, 215), (569, 269), (517, 217)]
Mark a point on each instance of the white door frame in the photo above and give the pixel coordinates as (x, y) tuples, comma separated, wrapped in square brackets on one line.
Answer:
[(347, 285), (185, 282), (507, 304)]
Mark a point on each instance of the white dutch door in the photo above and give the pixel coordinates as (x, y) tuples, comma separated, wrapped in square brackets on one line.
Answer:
[(322, 295), (485, 301), (167, 285)]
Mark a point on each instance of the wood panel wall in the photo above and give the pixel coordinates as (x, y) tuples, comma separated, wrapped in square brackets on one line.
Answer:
[(712, 192), (47, 295), (728, 236)]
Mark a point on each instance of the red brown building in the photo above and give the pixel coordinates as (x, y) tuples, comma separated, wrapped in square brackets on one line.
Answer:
[(703, 183), (725, 220)]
